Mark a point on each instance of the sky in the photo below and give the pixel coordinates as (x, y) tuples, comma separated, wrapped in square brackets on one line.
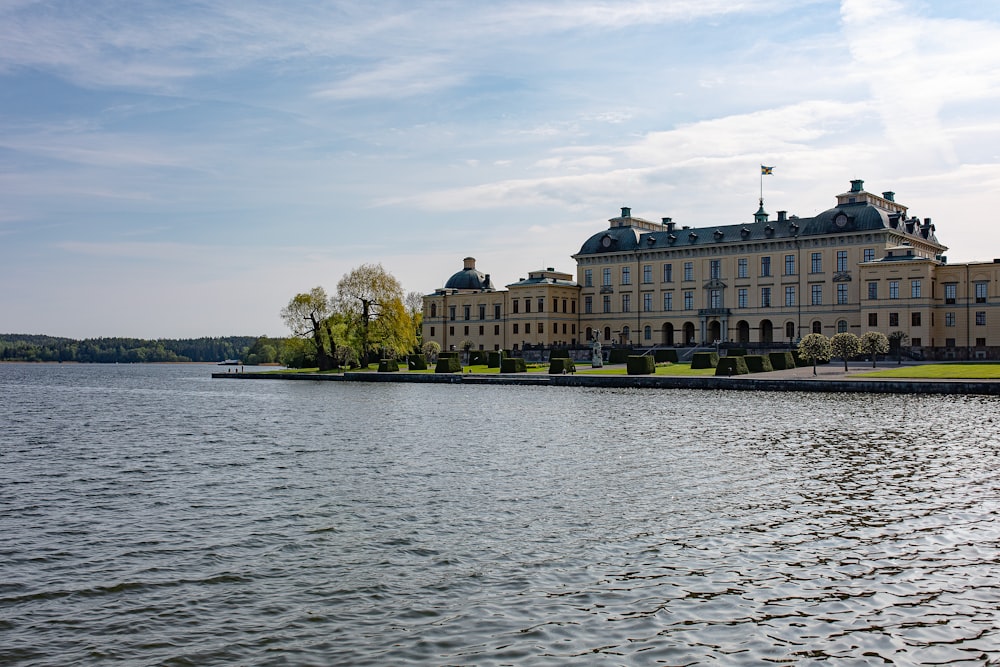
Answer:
[(183, 169)]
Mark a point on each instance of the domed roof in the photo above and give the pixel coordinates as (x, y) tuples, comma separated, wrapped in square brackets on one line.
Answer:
[(469, 278)]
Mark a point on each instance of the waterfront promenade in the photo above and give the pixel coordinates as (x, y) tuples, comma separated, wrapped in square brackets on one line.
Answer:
[(829, 378)]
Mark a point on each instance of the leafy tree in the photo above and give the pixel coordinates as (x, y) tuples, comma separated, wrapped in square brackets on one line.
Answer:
[(308, 315), (414, 303), (897, 339), (874, 343), (372, 300), (845, 345), (297, 353), (815, 347)]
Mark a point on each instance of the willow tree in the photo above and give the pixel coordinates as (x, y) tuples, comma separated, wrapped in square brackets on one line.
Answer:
[(308, 315), (372, 301)]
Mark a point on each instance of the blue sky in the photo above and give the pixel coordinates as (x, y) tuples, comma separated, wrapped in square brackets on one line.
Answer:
[(183, 169)]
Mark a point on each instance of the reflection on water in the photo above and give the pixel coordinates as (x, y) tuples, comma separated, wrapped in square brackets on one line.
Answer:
[(153, 516)]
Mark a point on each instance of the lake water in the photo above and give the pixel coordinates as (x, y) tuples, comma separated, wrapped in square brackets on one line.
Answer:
[(150, 515)]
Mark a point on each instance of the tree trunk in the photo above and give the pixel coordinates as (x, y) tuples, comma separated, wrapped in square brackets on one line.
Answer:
[(814, 365)]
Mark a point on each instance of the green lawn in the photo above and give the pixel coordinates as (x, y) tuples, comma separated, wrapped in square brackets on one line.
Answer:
[(949, 371)]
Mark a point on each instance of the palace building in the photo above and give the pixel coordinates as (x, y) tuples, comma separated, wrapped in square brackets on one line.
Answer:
[(863, 265)]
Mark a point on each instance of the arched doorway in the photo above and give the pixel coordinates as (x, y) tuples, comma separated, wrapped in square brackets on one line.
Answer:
[(668, 334), (626, 335), (743, 332), (689, 333), (766, 331), (714, 331)]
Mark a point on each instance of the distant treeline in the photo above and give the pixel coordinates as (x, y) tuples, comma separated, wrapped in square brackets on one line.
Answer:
[(25, 347)]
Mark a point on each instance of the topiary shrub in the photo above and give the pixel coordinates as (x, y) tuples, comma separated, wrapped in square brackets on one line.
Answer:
[(416, 362), (561, 365), (493, 359), (618, 355), (665, 356), (477, 358), (558, 353), (781, 360), (513, 365), (758, 363), (705, 360), (640, 365), (449, 363), (737, 352), (446, 355), (388, 366), (732, 366)]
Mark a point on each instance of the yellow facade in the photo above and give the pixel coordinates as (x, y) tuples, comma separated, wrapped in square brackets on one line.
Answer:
[(862, 265)]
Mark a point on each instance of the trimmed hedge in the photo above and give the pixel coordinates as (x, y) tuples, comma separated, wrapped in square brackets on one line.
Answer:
[(618, 355), (493, 359), (416, 362), (641, 365), (758, 363), (736, 352), (448, 364), (558, 353), (732, 366), (513, 365), (561, 365), (705, 360), (446, 355), (477, 357), (388, 366), (664, 356), (781, 360)]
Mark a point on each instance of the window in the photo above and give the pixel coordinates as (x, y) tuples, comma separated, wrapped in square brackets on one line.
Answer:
[(434, 310), (949, 319), (496, 329), (515, 327), (496, 311), (606, 277), (588, 304), (647, 332), (466, 331), (688, 300), (647, 273), (873, 290), (816, 263), (482, 312), (482, 330), (873, 319), (950, 292), (563, 302), (715, 298), (980, 318), (790, 330), (626, 303), (765, 266), (765, 297), (915, 319), (842, 294), (588, 278), (915, 342), (527, 305), (572, 306), (841, 260), (555, 305), (790, 295), (647, 302), (432, 332), (451, 331), (466, 312), (668, 301), (607, 303), (626, 275), (688, 270), (451, 313), (541, 327), (915, 289), (980, 342), (541, 304), (626, 334), (527, 327), (517, 306), (893, 319), (715, 269), (841, 326), (741, 267), (789, 265), (817, 327), (893, 289), (817, 295), (869, 254), (668, 273), (981, 292), (741, 297), (949, 342)]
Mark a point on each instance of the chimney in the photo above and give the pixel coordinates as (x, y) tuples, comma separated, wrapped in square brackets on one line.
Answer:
[(626, 212), (890, 195), (469, 263), (857, 185), (782, 216), (669, 224)]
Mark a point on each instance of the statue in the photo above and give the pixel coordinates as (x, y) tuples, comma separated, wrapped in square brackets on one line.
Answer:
[(596, 356)]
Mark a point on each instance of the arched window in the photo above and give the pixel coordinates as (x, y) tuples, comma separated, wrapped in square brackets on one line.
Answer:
[(626, 333), (607, 333), (647, 333), (790, 330), (841, 326), (590, 334), (817, 327), (434, 310)]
